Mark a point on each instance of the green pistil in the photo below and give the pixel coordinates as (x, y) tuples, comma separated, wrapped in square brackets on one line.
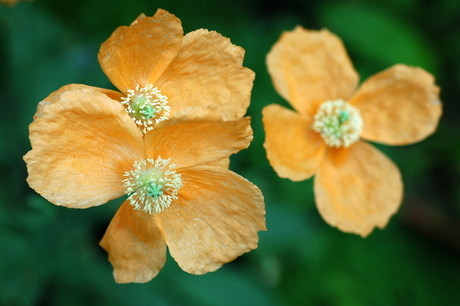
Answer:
[(154, 190), (344, 116), (152, 185), (338, 123), (148, 111)]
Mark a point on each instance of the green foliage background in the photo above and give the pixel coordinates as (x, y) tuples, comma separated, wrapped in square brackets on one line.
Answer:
[(49, 255)]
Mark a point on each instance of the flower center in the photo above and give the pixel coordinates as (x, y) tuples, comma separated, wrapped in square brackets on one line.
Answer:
[(152, 185), (147, 106), (338, 123)]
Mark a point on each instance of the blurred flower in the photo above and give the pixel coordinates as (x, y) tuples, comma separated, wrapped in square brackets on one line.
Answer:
[(161, 73), (12, 2), (356, 187), (86, 150)]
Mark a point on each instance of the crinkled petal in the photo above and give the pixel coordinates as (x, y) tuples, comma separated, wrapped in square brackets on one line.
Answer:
[(357, 189), (399, 105), (215, 219), (81, 145), (196, 143), (310, 67), (208, 71), (136, 245), (56, 96), (294, 150), (139, 54)]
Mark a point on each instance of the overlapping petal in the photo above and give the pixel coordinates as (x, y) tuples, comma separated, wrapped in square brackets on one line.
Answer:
[(140, 53), (399, 105), (293, 148), (56, 96), (136, 246), (194, 143), (357, 189), (215, 219), (81, 145), (208, 71), (310, 67)]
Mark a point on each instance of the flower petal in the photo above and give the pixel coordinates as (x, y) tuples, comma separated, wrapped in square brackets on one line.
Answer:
[(310, 67), (136, 245), (357, 189), (195, 143), (139, 54), (56, 96), (399, 105), (81, 145), (208, 71), (215, 219), (294, 150)]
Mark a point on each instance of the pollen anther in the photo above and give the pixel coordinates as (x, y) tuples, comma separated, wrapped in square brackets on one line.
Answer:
[(338, 123), (152, 185), (147, 106)]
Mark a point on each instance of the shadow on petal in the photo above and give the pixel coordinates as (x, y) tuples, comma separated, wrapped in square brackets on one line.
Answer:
[(139, 54), (216, 219), (194, 143), (82, 143), (136, 246), (208, 71)]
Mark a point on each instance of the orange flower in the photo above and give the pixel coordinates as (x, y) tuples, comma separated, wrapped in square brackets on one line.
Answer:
[(161, 73), (86, 150), (356, 187), (12, 2)]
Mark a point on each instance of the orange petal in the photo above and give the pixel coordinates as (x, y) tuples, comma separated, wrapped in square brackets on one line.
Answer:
[(399, 105), (136, 246), (195, 143), (215, 219), (56, 96), (294, 150), (357, 189), (81, 146), (310, 67), (139, 54), (208, 71)]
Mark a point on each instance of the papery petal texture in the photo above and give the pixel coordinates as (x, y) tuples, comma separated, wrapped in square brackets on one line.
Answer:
[(81, 145), (164, 140), (294, 150), (194, 143), (56, 96), (357, 189), (140, 53), (215, 219), (310, 67), (208, 71), (399, 105), (136, 246)]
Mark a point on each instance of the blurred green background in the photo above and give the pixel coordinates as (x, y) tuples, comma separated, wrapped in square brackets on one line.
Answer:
[(50, 255)]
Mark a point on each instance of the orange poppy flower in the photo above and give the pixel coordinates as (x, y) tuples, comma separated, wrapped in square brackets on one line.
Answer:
[(356, 187), (86, 150), (161, 73)]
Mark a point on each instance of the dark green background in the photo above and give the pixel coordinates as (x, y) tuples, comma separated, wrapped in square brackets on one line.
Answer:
[(50, 255)]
